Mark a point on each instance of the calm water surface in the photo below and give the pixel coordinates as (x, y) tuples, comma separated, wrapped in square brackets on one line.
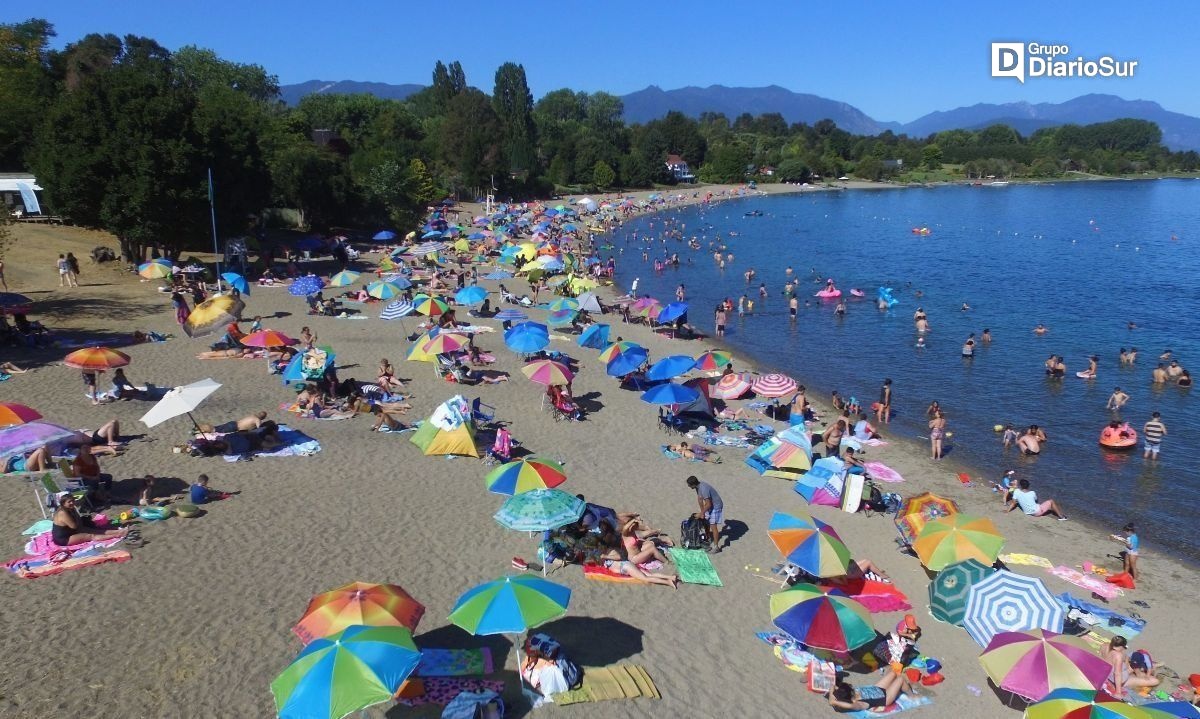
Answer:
[(1084, 259)]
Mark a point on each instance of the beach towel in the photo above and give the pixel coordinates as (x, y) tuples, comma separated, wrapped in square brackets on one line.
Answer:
[(1028, 560), (695, 567), (881, 472), (1090, 582), (30, 570), (876, 596), (295, 444), (903, 703), (620, 681), (874, 442), (601, 573), (455, 662), (43, 545), (1130, 629), (441, 690), (38, 527)]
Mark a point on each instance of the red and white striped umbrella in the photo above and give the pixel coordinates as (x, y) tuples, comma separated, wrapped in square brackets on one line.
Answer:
[(731, 386), (773, 385)]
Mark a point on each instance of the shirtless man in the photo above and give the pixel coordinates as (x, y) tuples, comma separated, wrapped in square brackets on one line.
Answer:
[(245, 424), (1040, 330), (1174, 370), (1159, 375), (1116, 400), (918, 316), (1028, 443)]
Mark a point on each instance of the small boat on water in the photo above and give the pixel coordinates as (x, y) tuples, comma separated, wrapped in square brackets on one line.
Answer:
[(998, 183), (753, 213)]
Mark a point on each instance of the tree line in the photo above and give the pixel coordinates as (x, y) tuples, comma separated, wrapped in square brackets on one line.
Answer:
[(122, 133)]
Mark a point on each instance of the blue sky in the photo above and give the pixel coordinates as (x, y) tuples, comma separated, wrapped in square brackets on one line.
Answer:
[(893, 60)]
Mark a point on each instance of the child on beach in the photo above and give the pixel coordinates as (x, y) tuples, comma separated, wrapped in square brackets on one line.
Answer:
[(1006, 485), (1010, 435), (1132, 544)]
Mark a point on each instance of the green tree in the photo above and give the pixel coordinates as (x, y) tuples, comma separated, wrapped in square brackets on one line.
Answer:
[(470, 141), (603, 176), (869, 168), (793, 170), (26, 87), (931, 156), (513, 103)]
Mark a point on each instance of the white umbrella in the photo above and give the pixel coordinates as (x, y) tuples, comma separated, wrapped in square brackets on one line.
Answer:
[(181, 400), (588, 302)]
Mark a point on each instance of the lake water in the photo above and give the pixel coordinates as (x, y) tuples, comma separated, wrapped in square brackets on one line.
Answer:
[(1084, 259)]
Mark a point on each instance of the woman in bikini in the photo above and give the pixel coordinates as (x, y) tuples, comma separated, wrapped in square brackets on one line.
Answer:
[(615, 559), (937, 431), (387, 376), (637, 549)]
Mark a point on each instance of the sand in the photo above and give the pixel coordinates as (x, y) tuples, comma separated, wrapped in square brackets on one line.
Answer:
[(198, 623)]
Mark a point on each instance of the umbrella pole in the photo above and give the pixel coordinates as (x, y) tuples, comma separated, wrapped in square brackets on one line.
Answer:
[(194, 422)]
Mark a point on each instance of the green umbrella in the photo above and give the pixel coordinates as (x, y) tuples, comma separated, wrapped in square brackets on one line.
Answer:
[(949, 589), (539, 510), (340, 674)]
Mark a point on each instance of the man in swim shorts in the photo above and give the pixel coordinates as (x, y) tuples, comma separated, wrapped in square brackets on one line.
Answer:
[(1153, 433)]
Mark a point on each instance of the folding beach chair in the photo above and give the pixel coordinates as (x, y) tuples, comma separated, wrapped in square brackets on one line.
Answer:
[(482, 413), (52, 490)]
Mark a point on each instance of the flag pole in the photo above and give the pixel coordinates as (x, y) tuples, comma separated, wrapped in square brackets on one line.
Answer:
[(212, 209)]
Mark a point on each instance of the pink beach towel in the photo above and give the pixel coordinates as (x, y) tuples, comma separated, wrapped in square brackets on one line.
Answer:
[(882, 472), (42, 545), (1090, 582)]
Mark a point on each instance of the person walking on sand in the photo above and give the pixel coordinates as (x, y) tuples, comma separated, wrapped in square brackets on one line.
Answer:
[(63, 268), (883, 410), (72, 269), (711, 508), (1153, 433)]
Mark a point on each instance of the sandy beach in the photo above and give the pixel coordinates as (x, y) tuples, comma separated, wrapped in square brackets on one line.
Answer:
[(198, 622)]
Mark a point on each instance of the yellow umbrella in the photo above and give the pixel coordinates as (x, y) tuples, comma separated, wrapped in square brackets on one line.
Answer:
[(579, 284), (417, 352), (462, 245), (957, 538), (528, 250), (213, 314)]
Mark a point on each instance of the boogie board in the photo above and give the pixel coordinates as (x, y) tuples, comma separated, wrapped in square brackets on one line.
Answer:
[(1084, 375), (852, 493)]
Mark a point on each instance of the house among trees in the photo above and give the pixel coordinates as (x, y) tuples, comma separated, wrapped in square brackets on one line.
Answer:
[(893, 165), (679, 169), (18, 194), (766, 171)]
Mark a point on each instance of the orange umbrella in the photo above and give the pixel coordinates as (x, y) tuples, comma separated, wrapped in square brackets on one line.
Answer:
[(96, 358), (12, 413), (267, 338), (375, 605)]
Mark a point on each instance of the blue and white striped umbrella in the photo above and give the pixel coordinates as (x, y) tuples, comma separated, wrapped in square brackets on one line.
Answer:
[(429, 248), (1010, 602), (397, 279), (497, 275), (510, 315), (396, 310), (307, 285)]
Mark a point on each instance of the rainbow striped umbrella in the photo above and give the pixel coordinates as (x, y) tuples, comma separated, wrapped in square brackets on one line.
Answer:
[(810, 544), (510, 605), (12, 413), (713, 360), (429, 306), (417, 353), (383, 290), (268, 338), (773, 385), (918, 510), (96, 358), (1033, 663), (342, 674), (155, 269), (524, 475), (548, 372), (609, 353), (1090, 704), (822, 618), (444, 343), (560, 318), (731, 386), (955, 538), (377, 605), (344, 278)]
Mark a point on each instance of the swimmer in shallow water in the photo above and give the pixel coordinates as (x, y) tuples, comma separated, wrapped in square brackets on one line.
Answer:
[(1040, 330)]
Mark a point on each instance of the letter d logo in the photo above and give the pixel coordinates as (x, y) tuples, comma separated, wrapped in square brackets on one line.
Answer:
[(1008, 60)]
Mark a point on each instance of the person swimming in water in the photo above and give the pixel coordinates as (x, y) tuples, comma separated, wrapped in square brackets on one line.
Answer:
[(1040, 330)]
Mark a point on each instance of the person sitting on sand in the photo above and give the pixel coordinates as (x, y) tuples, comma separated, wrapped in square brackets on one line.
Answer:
[(700, 454), (147, 496), (10, 368), (122, 388), (854, 463), (87, 469), (638, 549), (734, 415), (1027, 500), (387, 376), (863, 430), (69, 526), (874, 698), (201, 493), (616, 559), (1128, 671), (542, 669)]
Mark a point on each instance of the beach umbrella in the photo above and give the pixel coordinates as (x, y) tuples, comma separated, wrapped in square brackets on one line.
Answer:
[(810, 544), (670, 366), (731, 386), (510, 315), (472, 295), (916, 511), (527, 337), (382, 290), (949, 589), (627, 362), (96, 358), (398, 280), (237, 282), (22, 438), (510, 605), (823, 482), (294, 372), (306, 285), (594, 336), (579, 284), (383, 236), (670, 393), (1089, 704), (773, 385), (1173, 710), (540, 510), (713, 360), (376, 605), (563, 303), (344, 278), (822, 618), (12, 413), (1033, 663), (1010, 602), (13, 303), (548, 372), (213, 314), (445, 343), (180, 400), (672, 312), (617, 348), (429, 248), (431, 234), (395, 310), (524, 475), (561, 317), (268, 338), (952, 539), (344, 673), (155, 269), (787, 455), (646, 307), (417, 353), (429, 306), (497, 275)]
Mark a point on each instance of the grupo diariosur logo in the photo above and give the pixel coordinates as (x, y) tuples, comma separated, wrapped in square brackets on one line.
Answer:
[(1024, 60)]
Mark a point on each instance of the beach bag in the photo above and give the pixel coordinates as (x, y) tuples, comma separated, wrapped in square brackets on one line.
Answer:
[(571, 672), (693, 533)]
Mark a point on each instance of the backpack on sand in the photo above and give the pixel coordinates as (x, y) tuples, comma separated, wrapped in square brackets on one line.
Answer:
[(693, 533)]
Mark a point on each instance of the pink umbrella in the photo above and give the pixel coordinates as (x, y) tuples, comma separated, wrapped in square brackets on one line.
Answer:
[(732, 386), (773, 385), (1033, 663)]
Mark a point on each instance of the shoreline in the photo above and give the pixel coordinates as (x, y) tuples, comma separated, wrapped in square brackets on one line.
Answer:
[(951, 464)]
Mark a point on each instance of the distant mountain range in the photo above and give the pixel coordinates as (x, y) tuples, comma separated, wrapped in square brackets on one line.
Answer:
[(1180, 132)]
